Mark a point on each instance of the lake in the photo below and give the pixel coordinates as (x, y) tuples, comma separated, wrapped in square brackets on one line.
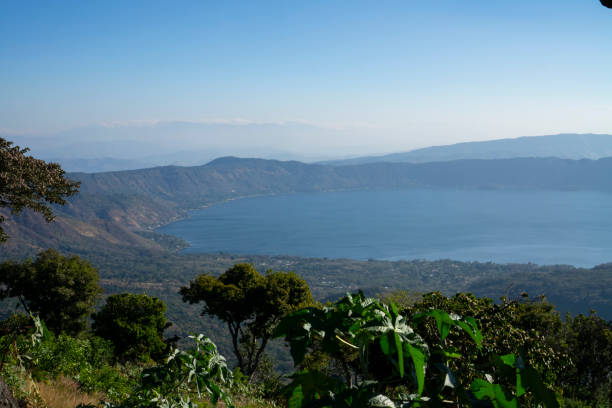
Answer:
[(541, 227)]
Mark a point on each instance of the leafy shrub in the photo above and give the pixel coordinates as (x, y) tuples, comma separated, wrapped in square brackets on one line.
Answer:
[(527, 328), (384, 362), (184, 376), (43, 356)]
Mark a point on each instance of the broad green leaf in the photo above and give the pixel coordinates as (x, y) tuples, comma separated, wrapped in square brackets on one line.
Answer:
[(418, 359), (296, 398), (471, 328), (384, 345), (393, 308), (508, 359), (533, 382), (484, 390), (400, 354), (443, 321)]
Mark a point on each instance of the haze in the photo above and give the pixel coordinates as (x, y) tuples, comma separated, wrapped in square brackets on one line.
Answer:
[(312, 78)]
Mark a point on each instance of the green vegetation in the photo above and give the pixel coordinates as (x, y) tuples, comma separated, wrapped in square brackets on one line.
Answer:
[(26, 182), (358, 351), (589, 343), (134, 324), (250, 304), (183, 379), (430, 351), (62, 290), (386, 362)]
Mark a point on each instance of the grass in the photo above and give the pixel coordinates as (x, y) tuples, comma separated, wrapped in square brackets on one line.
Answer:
[(62, 393)]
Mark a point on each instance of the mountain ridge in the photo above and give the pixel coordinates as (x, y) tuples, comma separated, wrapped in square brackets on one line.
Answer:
[(120, 206), (564, 146), (111, 220)]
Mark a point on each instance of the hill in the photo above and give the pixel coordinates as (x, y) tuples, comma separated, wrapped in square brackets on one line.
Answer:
[(110, 222), (117, 208), (564, 146), (229, 177)]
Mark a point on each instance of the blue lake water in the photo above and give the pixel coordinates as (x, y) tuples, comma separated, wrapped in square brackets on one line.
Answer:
[(500, 226)]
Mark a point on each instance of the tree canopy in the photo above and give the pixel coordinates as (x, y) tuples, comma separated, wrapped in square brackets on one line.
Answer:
[(135, 325), (27, 182), (251, 304), (62, 290)]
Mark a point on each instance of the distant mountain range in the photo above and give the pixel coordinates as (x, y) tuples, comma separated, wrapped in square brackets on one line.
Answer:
[(130, 146), (563, 146), (96, 149)]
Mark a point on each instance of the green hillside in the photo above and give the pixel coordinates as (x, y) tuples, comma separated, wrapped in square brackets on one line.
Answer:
[(110, 222), (115, 208)]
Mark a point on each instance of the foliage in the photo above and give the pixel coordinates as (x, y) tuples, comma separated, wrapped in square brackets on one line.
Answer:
[(381, 355), (183, 378), (526, 328), (250, 304), (16, 360), (39, 355), (135, 325), (46, 365), (26, 182), (62, 290), (575, 356), (526, 379), (400, 297), (589, 342)]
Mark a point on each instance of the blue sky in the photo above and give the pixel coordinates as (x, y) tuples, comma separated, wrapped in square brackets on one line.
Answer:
[(416, 72)]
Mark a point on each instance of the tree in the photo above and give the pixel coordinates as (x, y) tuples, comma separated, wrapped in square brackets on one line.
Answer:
[(251, 304), (26, 182), (135, 325), (62, 290), (589, 339)]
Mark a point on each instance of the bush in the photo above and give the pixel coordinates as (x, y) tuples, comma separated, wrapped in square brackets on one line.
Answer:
[(134, 324), (385, 362)]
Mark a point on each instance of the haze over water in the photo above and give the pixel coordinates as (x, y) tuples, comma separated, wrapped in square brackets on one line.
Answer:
[(541, 227)]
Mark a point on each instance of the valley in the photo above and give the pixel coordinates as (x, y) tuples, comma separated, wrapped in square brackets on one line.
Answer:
[(111, 220)]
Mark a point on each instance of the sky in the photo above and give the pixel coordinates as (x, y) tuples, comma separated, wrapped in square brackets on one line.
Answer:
[(394, 75)]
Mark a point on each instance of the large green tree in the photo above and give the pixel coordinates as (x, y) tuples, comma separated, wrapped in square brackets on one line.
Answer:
[(135, 325), (250, 304), (589, 342), (27, 182), (62, 290)]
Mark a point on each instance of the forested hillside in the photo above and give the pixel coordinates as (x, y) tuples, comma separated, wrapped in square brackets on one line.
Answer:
[(233, 177), (110, 222), (115, 208)]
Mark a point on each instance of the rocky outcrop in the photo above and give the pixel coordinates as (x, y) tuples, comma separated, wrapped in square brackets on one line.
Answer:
[(6, 397)]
